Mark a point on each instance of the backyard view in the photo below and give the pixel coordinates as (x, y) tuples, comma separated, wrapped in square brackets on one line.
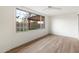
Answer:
[(28, 21)]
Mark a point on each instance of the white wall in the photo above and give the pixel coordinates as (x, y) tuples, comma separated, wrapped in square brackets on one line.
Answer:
[(8, 36), (66, 25)]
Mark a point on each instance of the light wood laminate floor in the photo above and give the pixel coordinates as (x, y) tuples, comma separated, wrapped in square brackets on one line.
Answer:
[(52, 44)]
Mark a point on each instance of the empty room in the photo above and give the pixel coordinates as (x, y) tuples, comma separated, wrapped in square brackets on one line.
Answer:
[(39, 29)]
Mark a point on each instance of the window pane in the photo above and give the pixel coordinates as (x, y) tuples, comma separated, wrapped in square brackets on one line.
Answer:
[(21, 18), (33, 21), (42, 22), (28, 21)]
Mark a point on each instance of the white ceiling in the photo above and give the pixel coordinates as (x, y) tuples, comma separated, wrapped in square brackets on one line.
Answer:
[(63, 10)]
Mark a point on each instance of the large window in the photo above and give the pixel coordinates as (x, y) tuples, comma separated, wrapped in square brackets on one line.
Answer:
[(28, 21)]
